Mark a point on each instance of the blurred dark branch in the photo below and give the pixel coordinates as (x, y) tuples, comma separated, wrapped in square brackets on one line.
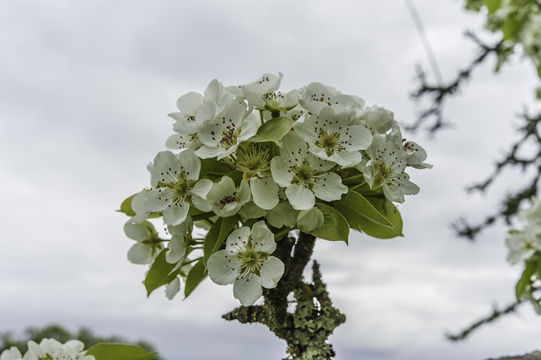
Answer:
[(439, 93), (495, 315), (512, 202)]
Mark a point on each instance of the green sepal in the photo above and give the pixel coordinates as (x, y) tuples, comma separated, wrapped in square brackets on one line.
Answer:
[(160, 273), (335, 227), (374, 229), (197, 274), (217, 235), (273, 130), (105, 351)]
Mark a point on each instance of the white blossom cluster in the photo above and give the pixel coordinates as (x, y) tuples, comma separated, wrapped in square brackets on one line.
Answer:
[(265, 158), (525, 243), (48, 349)]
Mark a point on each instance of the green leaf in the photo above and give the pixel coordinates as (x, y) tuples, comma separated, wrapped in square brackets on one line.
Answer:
[(335, 227), (104, 351), (539, 71), (364, 208), (374, 229), (159, 273), (125, 207), (273, 130), (197, 274), (217, 235), (524, 282), (511, 27), (493, 5)]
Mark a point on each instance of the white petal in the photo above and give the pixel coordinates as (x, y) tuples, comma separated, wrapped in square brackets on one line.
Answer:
[(262, 238), (140, 254), (300, 197), (329, 187), (237, 240), (320, 164), (224, 187), (248, 289), (201, 204), (206, 152), (280, 172), (252, 211), (202, 188), (172, 288), (156, 199), (176, 213), (356, 137), (164, 168), (249, 128), (137, 232), (264, 192), (176, 250), (271, 271), (190, 164), (243, 194), (223, 267), (178, 141), (213, 90), (189, 103), (347, 159)]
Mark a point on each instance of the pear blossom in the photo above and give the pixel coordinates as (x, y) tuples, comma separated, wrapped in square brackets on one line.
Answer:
[(54, 350), (331, 138), (172, 288), (304, 176), (255, 91), (317, 96), (385, 169), (147, 243), (11, 354), (377, 119), (254, 161), (247, 262), (175, 185), (523, 244), (222, 135), (176, 248), (278, 101), (226, 199), (533, 213)]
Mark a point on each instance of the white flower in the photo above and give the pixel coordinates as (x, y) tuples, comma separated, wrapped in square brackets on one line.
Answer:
[(256, 90), (304, 176), (277, 101), (523, 244), (52, 349), (317, 96), (147, 242), (175, 183), (11, 354), (331, 138), (533, 213), (386, 169), (222, 135), (247, 263), (226, 199), (176, 247), (379, 120)]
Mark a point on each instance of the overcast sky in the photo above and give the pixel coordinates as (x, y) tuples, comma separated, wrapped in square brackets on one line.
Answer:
[(85, 87)]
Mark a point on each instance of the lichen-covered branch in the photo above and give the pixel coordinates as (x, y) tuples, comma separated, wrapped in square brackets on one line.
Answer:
[(314, 318)]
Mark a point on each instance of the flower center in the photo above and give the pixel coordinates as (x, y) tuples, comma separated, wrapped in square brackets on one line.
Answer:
[(229, 136), (303, 174), (228, 199), (251, 260), (181, 188), (383, 173), (329, 141), (253, 161)]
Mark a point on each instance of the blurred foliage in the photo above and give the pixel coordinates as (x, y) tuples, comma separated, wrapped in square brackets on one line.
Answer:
[(58, 332), (516, 24)]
